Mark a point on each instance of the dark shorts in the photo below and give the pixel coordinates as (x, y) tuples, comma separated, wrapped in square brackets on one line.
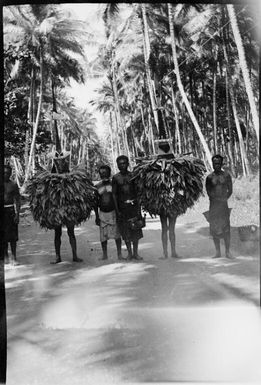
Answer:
[(129, 211), (10, 227), (219, 221)]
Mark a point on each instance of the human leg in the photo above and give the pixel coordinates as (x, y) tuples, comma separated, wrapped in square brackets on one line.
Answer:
[(13, 251), (104, 250), (118, 245), (135, 250), (129, 249), (6, 252), (217, 246), (57, 244), (172, 236), (164, 235), (72, 239), (227, 245)]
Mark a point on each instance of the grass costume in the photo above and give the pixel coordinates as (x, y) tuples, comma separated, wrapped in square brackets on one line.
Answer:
[(61, 198)]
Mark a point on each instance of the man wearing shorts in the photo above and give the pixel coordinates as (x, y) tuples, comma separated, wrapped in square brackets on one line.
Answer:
[(106, 215), (11, 214)]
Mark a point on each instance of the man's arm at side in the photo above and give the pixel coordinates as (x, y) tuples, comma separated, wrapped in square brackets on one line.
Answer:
[(229, 186), (208, 185), (114, 195), (17, 201)]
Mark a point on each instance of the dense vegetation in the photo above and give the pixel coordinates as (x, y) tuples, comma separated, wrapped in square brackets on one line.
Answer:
[(197, 64)]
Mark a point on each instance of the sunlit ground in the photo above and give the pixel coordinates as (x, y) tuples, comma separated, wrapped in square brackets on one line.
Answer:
[(194, 319)]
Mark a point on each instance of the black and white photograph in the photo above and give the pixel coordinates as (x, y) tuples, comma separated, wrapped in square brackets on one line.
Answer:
[(130, 217)]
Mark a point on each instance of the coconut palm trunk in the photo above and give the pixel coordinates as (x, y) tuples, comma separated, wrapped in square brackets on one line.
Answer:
[(215, 104), (57, 139), (182, 91), (27, 173), (146, 53), (118, 111), (244, 67), (29, 117), (230, 134), (112, 146), (244, 160), (177, 131), (245, 164)]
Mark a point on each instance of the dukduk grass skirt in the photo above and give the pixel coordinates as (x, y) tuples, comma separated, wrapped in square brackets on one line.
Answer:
[(169, 186), (61, 199)]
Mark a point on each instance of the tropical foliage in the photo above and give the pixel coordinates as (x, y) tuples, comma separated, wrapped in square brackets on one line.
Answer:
[(184, 60), (169, 185), (61, 199), (195, 65), (43, 50)]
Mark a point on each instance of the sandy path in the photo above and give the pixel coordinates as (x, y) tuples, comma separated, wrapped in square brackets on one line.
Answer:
[(194, 319)]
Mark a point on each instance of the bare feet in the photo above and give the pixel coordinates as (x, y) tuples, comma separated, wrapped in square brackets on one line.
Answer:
[(137, 257), (58, 260), (15, 263), (77, 259), (164, 257), (217, 256), (120, 258), (176, 256), (229, 256)]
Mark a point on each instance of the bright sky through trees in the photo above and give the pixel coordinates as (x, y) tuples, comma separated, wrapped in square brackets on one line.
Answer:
[(83, 93)]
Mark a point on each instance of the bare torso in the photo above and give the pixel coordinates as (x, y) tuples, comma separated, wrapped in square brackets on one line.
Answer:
[(11, 193)]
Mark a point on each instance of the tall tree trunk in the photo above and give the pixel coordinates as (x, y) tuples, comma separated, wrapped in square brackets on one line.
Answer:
[(185, 136), (146, 52), (244, 68), (83, 151), (79, 151), (244, 159), (57, 139), (177, 131), (151, 136), (118, 111), (112, 146), (245, 163), (27, 173), (29, 118), (117, 131), (230, 134), (182, 91), (215, 106)]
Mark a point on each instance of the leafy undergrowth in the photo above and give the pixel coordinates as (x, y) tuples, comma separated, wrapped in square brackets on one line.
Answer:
[(245, 202)]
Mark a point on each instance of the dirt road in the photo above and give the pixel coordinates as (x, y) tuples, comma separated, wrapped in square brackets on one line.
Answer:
[(155, 321)]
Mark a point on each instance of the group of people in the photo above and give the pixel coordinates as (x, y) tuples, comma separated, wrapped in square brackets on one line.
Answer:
[(118, 205)]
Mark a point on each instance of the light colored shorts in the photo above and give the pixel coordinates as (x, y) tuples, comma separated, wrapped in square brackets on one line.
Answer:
[(108, 226)]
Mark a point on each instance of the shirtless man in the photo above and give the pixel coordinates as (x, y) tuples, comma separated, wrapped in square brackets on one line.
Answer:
[(106, 214), (219, 189), (12, 206), (127, 207)]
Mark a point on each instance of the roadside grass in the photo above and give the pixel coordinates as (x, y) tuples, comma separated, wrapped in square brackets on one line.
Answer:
[(245, 202)]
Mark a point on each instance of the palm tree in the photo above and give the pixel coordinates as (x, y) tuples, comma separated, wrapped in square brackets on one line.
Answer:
[(181, 88), (52, 38), (244, 67)]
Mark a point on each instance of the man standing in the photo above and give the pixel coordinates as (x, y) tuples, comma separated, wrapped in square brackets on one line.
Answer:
[(219, 189), (106, 214), (11, 214), (127, 207)]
